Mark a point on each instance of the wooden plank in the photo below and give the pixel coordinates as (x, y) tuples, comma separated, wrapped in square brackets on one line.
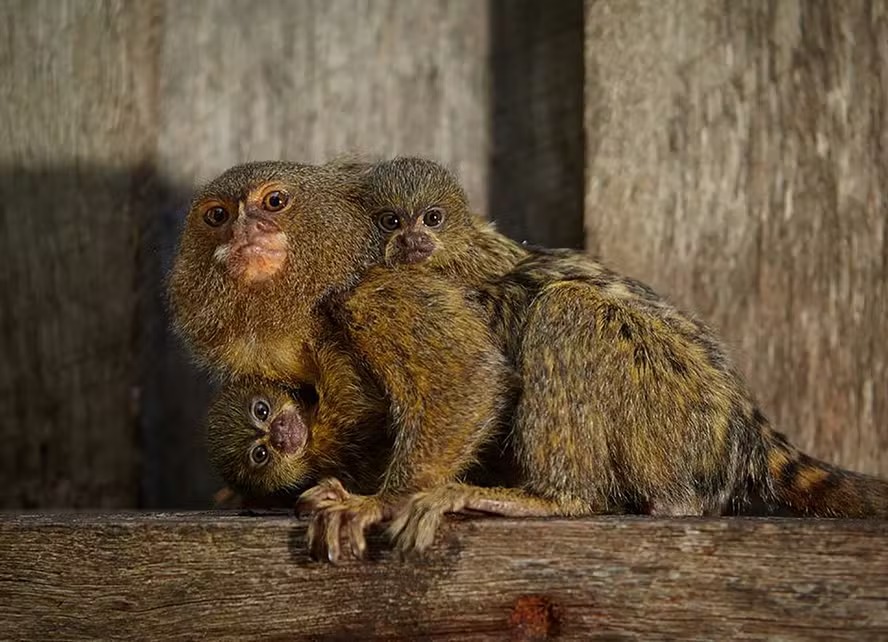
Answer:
[(211, 575), (310, 80), (736, 161), (537, 146), (74, 129)]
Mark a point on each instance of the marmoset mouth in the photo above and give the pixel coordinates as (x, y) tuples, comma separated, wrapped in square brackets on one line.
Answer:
[(256, 253), (416, 256), (253, 262)]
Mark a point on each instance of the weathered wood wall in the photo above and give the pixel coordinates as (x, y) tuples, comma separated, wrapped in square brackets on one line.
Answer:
[(737, 160), (73, 125), (206, 576), (537, 145), (109, 111)]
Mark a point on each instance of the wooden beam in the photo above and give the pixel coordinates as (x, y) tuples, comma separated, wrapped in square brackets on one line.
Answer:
[(221, 574), (535, 190)]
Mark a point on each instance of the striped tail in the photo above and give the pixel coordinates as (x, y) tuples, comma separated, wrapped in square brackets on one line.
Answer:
[(813, 488)]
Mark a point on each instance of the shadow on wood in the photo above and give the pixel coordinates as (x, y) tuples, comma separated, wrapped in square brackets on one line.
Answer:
[(101, 406), (536, 117), (216, 574)]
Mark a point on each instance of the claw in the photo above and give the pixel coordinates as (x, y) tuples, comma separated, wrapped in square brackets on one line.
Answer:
[(425, 530), (356, 538), (398, 524), (315, 535), (329, 491), (346, 517), (334, 528), (413, 528)]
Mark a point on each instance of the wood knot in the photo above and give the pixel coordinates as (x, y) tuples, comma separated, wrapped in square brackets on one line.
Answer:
[(533, 617)]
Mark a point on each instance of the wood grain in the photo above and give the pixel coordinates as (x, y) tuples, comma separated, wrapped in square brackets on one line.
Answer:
[(214, 575), (311, 80), (737, 161), (72, 129)]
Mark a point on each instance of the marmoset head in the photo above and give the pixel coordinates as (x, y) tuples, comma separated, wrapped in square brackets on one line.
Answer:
[(420, 209), (262, 243), (259, 433)]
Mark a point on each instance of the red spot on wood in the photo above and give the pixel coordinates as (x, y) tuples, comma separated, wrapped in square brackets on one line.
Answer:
[(533, 617)]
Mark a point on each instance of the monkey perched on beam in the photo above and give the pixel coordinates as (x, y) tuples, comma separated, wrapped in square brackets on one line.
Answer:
[(626, 404), (275, 278)]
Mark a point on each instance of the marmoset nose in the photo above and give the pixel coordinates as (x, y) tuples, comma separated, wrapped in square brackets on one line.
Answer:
[(413, 241), (285, 436), (260, 219)]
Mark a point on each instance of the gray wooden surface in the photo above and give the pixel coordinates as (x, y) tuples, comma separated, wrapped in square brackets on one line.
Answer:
[(313, 79), (737, 161), (109, 113), (72, 128), (211, 575)]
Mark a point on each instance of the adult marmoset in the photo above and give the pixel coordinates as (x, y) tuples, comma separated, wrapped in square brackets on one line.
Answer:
[(275, 273)]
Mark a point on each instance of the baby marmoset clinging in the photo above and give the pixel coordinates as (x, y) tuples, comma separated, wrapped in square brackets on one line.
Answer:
[(626, 404), (266, 439)]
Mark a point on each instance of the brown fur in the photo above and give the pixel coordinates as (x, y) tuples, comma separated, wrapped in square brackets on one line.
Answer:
[(268, 328), (666, 424), (414, 338), (469, 250), (626, 403)]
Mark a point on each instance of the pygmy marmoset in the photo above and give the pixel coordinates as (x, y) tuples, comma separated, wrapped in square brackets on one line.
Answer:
[(274, 271), (625, 403)]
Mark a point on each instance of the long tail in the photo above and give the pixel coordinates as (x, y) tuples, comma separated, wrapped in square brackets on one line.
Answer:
[(813, 488)]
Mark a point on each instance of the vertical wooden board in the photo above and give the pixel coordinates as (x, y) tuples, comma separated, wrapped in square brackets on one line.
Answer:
[(737, 158), (537, 145), (74, 122), (306, 81), (173, 394), (311, 80)]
